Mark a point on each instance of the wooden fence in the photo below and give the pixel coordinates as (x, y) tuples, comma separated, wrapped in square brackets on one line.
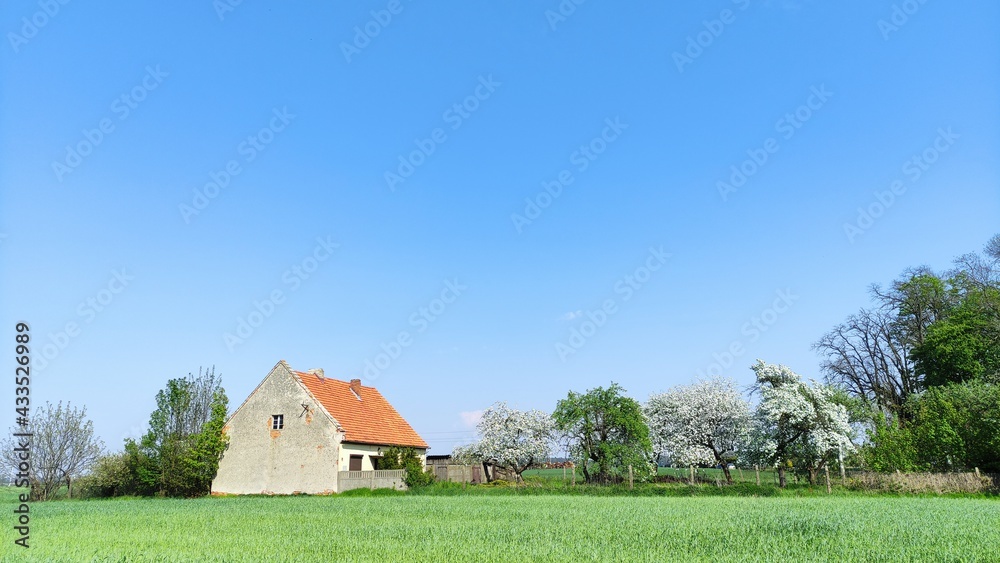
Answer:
[(970, 481), (459, 473)]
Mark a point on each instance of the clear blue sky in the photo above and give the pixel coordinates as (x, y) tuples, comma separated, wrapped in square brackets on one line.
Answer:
[(309, 127)]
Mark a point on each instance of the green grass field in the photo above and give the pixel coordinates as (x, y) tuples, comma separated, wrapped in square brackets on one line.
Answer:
[(506, 527)]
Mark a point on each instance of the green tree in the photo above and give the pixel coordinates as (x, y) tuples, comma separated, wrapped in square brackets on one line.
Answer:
[(965, 346), (202, 463), (179, 455), (957, 427), (935, 426), (607, 431), (918, 298), (917, 356), (143, 471)]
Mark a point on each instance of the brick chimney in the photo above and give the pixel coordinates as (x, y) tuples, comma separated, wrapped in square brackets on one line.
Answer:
[(356, 387), (318, 372)]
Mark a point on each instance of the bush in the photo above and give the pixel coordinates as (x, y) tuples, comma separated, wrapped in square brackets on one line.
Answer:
[(109, 477), (416, 476), (406, 458), (950, 428), (890, 447)]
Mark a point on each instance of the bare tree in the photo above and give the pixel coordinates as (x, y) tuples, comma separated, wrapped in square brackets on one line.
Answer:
[(980, 271), (202, 392), (868, 355), (62, 448), (992, 249)]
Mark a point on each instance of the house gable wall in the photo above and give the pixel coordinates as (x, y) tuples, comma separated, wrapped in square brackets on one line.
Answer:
[(302, 457)]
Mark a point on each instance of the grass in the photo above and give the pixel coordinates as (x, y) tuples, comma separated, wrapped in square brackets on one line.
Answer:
[(389, 527)]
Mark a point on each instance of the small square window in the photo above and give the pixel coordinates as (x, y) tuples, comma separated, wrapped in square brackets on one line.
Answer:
[(277, 421)]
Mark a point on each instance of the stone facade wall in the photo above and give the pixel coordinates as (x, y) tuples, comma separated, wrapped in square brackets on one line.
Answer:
[(302, 457)]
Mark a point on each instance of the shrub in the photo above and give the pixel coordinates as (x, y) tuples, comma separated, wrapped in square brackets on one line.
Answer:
[(406, 458), (416, 476), (950, 428), (890, 447), (109, 478)]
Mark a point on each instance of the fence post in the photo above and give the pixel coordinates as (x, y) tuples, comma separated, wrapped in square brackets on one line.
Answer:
[(564, 474), (840, 462), (692, 475), (756, 470), (574, 474), (977, 472), (630, 476), (826, 469), (740, 469)]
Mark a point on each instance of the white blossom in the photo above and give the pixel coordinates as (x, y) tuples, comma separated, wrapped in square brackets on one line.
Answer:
[(511, 439), (796, 416), (703, 423)]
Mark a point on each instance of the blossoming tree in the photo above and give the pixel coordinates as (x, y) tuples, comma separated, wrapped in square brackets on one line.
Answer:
[(703, 423), (796, 419), (510, 439)]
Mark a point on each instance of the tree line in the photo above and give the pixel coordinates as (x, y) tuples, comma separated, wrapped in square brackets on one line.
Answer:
[(911, 383), (612, 437), (923, 363)]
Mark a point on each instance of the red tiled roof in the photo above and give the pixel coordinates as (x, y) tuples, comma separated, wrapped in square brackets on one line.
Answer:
[(371, 420)]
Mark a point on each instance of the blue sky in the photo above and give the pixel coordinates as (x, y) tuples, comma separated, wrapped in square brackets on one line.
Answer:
[(170, 172)]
